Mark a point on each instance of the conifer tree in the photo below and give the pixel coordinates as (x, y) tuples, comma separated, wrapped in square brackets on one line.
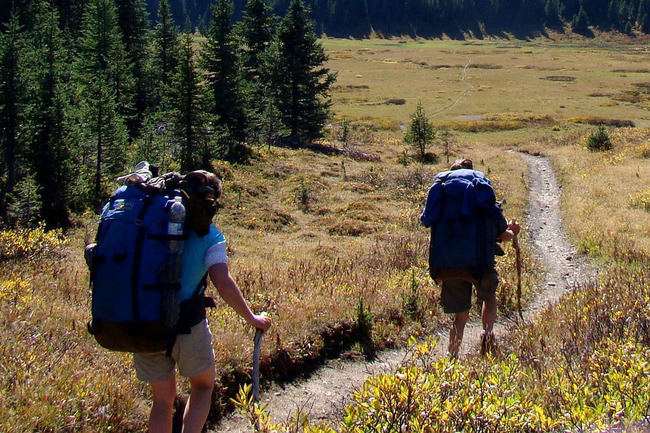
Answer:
[(580, 23), (165, 51), (219, 62), (10, 111), (45, 122), (134, 23), (25, 202), (552, 13), (268, 121), (100, 74), (643, 16), (153, 143), (71, 14), (255, 32), (189, 119), (420, 133), (304, 91), (612, 15)]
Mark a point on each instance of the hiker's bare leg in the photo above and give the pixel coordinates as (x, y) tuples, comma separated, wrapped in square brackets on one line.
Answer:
[(489, 313), (456, 332), (198, 405), (164, 393)]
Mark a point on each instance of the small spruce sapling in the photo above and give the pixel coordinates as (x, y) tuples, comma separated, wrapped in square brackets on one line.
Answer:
[(420, 133), (599, 140)]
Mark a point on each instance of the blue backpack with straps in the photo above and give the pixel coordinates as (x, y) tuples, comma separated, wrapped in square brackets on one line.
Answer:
[(135, 306), (462, 212)]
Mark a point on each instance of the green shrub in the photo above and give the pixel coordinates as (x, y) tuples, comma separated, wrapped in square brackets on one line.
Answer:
[(599, 140)]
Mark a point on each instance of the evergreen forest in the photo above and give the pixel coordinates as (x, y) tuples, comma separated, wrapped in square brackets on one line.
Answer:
[(89, 88), (426, 18)]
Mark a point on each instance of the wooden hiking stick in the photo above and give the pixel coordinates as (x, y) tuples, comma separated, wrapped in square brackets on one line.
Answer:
[(257, 344), (515, 245)]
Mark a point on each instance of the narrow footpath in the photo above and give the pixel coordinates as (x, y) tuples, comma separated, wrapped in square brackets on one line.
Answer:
[(326, 392)]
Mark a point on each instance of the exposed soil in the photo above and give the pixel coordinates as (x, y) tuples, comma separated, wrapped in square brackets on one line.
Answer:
[(326, 392)]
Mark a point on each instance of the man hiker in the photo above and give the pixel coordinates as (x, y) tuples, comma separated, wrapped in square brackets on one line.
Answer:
[(466, 224), (192, 353)]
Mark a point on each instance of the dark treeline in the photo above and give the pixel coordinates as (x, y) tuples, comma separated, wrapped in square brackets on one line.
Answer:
[(480, 17), (452, 17), (90, 87), (420, 17)]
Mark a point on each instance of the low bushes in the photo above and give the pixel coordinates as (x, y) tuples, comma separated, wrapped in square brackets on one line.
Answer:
[(582, 367), (25, 242), (594, 120), (482, 126)]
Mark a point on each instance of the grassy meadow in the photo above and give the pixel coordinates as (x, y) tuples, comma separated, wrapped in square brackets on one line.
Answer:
[(331, 246)]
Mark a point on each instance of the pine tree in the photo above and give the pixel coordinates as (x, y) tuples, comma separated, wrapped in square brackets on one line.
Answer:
[(255, 32), (219, 62), (304, 90), (643, 16), (45, 121), (552, 13), (269, 124), (19, 9), (153, 143), (189, 119), (164, 59), (25, 202), (101, 74), (612, 15), (420, 133), (580, 23), (10, 107), (71, 14), (134, 23)]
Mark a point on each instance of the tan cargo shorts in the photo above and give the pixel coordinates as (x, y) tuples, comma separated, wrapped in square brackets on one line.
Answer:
[(456, 295), (192, 353)]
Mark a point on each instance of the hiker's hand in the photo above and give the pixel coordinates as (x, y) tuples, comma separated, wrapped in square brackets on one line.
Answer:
[(261, 321), (513, 225)]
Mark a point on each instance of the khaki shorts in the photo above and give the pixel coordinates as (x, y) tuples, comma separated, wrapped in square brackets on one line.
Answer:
[(456, 296), (192, 353)]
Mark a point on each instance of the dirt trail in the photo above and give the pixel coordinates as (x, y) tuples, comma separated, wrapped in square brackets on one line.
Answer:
[(327, 391)]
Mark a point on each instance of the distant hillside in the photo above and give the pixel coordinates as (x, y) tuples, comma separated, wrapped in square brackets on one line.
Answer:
[(451, 17)]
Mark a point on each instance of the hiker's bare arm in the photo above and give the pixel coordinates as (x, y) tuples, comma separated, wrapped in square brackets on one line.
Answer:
[(230, 293), (513, 230)]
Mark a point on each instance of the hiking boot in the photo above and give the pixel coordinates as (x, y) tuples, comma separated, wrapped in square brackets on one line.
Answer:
[(487, 343)]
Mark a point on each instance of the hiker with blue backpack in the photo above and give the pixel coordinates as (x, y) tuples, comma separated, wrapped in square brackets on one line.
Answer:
[(466, 225), (154, 250)]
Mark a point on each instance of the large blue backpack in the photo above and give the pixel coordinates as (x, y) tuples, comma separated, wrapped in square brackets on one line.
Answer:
[(462, 212), (134, 305)]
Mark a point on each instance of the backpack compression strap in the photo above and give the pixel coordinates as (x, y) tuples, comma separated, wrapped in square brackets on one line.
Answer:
[(192, 312)]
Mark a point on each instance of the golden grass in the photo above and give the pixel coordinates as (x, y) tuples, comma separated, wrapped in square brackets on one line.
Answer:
[(310, 234), (55, 377), (448, 92), (604, 204), (605, 193)]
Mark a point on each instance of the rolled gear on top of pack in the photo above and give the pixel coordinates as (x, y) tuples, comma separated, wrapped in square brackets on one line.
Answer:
[(461, 210)]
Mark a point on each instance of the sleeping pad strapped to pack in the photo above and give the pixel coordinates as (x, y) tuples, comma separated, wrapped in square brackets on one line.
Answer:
[(461, 210)]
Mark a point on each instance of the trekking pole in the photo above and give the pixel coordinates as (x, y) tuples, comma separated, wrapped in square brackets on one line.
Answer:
[(257, 344), (515, 245)]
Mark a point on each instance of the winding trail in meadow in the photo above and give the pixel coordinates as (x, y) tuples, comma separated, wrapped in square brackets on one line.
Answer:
[(326, 392), (468, 87)]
